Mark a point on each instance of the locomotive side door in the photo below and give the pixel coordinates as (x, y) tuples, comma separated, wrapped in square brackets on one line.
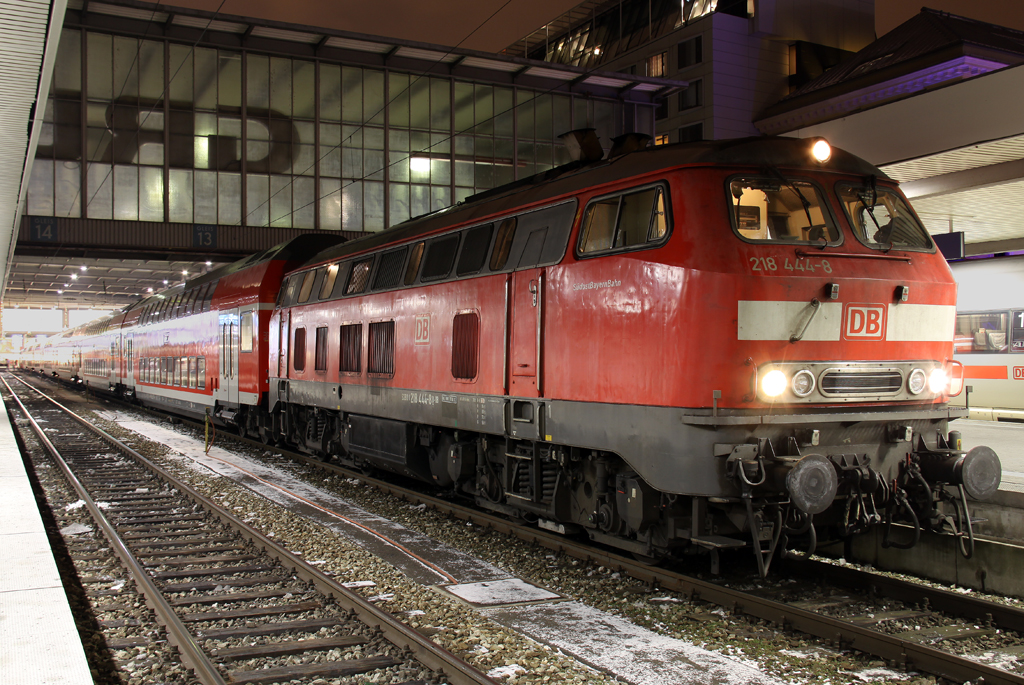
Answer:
[(282, 344), (526, 305)]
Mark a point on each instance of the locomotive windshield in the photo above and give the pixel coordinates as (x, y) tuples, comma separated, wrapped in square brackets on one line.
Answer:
[(881, 218), (779, 210)]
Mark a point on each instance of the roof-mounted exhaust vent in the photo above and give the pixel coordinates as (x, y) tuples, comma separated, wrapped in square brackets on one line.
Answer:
[(583, 145), (629, 142)]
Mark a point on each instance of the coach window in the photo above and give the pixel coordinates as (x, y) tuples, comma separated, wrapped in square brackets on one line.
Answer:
[(440, 256), (474, 250), (881, 219), (201, 371), (320, 354), (359, 277), (350, 361), (989, 333), (630, 220), (328, 285), (503, 244), (307, 286), (245, 344), (774, 209), (299, 350)]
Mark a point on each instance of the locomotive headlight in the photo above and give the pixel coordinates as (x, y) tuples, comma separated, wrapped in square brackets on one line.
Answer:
[(774, 383), (938, 381), (821, 150), (803, 383), (916, 382)]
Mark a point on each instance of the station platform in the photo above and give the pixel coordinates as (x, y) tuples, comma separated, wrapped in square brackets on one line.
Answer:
[(39, 643)]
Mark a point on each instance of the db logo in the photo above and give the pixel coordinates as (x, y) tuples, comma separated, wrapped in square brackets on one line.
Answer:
[(864, 322), (1018, 373), (423, 329)]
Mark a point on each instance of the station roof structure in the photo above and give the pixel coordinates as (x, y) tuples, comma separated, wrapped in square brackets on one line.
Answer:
[(935, 103), (29, 32)]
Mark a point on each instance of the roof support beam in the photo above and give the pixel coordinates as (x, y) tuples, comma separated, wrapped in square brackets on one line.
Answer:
[(981, 177)]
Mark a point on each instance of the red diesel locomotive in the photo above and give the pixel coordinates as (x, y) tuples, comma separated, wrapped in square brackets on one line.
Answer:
[(675, 349)]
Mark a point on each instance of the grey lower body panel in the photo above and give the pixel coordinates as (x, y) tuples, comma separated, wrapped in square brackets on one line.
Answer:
[(671, 448)]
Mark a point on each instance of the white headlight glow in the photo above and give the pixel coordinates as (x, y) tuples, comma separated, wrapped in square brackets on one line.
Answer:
[(938, 381), (774, 383)]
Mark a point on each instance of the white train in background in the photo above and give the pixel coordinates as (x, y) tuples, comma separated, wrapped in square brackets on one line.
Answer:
[(989, 337)]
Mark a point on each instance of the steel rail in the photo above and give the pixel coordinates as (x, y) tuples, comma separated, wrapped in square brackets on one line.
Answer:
[(193, 655), (836, 631), (426, 651)]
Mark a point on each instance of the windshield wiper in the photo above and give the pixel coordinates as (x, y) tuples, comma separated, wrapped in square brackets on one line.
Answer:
[(803, 201), (883, 235)]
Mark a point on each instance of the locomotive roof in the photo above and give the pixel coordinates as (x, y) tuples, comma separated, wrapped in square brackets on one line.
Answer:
[(758, 152)]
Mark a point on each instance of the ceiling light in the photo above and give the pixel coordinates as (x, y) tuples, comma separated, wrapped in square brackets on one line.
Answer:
[(165, 281), (74, 277), (209, 263), (420, 165), (84, 267), (184, 272)]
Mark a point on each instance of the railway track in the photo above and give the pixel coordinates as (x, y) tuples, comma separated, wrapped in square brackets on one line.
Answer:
[(238, 607), (907, 624), (918, 627)]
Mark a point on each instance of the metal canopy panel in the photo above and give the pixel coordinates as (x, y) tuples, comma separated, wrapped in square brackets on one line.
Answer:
[(976, 156), (23, 30), (113, 283)]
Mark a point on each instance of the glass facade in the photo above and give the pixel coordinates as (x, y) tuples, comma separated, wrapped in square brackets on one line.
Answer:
[(152, 130)]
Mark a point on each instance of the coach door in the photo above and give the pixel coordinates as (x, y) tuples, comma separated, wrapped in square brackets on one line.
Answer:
[(228, 339), (527, 307)]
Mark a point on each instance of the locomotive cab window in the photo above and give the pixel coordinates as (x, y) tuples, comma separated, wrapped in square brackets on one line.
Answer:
[(780, 210), (630, 220), (881, 219)]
